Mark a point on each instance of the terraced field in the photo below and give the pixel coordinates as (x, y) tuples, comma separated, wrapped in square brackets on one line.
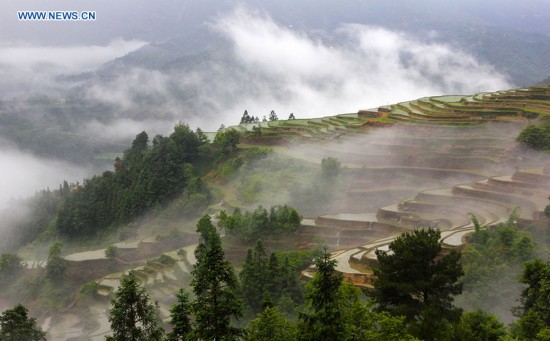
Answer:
[(442, 158), (427, 162)]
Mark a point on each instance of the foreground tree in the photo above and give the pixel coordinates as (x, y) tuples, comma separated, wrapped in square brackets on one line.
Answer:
[(179, 313), (214, 284), (478, 325), (270, 325), (324, 322), (416, 279), (132, 316), (534, 311), (16, 325)]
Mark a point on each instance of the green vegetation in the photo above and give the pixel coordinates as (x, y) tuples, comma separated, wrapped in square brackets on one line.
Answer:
[(10, 266), (330, 167), (132, 316), (16, 325), (228, 140), (179, 318), (324, 321), (270, 325), (214, 284), (492, 262), (335, 312), (56, 266), (111, 251), (478, 325), (416, 280), (273, 275), (259, 223), (534, 312), (536, 137)]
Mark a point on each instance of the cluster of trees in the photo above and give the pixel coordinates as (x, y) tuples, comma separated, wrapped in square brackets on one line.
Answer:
[(134, 317), (413, 296), (246, 118), (537, 137), (273, 276), (260, 223), (492, 261), (148, 175), (333, 311)]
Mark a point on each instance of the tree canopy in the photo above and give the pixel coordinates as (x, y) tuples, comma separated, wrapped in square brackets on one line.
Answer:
[(417, 279), (214, 284), (132, 315), (148, 175), (16, 325)]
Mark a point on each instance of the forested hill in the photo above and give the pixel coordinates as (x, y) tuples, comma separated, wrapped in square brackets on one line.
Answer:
[(149, 175)]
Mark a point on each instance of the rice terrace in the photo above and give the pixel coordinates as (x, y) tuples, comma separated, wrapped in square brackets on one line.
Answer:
[(446, 162)]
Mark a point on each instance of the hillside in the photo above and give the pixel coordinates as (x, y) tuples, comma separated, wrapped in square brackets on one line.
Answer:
[(426, 162)]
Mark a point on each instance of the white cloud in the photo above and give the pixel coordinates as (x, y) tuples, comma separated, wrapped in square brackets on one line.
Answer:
[(368, 67), (67, 58), (22, 174)]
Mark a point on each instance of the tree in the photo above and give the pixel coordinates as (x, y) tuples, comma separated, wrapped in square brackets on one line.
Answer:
[(56, 266), (179, 313), (16, 325), (291, 116), (228, 139), (254, 277), (416, 279), (361, 323), (111, 251), (273, 116), (132, 316), (324, 321), (478, 325), (214, 284), (330, 167), (534, 311), (245, 118), (536, 137), (270, 325), (10, 265)]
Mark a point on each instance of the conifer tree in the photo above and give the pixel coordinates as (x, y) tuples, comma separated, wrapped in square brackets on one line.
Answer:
[(324, 322), (214, 284), (179, 313), (132, 316)]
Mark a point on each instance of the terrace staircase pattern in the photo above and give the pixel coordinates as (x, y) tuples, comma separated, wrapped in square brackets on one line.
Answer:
[(446, 157)]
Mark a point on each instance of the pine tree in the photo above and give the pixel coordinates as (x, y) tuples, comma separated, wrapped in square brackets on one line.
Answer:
[(273, 116), (214, 284), (179, 313), (132, 316), (415, 280), (270, 325), (324, 322)]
